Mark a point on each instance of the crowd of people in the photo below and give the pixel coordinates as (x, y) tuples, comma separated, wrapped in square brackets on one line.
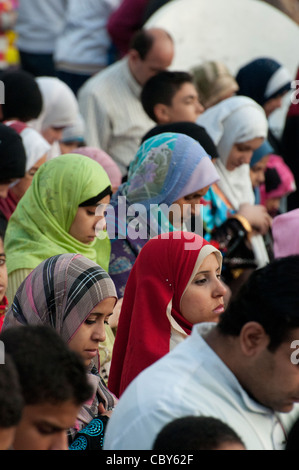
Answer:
[(149, 257)]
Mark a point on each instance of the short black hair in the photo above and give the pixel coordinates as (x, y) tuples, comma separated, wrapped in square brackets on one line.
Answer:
[(161, 88), (23, 98), (11, 399), (270, 297), (49, 372), (195, 433)]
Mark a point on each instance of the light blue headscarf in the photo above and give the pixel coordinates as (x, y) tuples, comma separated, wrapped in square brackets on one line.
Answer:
[(262, 151), (166, 168)]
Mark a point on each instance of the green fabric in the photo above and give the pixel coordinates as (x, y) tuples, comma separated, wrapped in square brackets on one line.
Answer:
[(39, 226)]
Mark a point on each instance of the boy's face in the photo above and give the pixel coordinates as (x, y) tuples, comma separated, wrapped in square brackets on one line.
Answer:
[(185, 106), (44, 426), (3, 272)]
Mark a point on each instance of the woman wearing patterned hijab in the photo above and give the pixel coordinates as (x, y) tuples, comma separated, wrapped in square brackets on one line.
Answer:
[(170, 169), (74, 296)]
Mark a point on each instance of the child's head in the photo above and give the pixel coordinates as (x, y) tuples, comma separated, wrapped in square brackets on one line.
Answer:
[(198, 433), (279, 183), (171, 97)]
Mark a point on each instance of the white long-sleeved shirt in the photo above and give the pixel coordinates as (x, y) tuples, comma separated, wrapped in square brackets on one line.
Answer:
[(38, 24), (191, 380), (115, 119), (83, 45)]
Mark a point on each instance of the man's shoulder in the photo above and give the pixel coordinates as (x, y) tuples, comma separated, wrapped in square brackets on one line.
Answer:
[(105, 77)]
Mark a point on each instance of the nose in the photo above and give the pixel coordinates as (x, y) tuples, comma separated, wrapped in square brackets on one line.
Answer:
[(60, 441), (99, 333), (247, 158), (200, 109), (220, 290)]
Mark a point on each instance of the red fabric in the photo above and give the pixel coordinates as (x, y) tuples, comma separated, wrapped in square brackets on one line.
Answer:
[(159, 275), (8, 204), (3, 308), (294, 108), (124, 22)]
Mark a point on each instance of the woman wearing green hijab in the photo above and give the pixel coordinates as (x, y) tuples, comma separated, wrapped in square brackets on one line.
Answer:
[(57, 215)]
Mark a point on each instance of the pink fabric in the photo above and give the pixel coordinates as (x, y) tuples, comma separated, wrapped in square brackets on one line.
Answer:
[(287, 180), (284, 230), (105, 161)]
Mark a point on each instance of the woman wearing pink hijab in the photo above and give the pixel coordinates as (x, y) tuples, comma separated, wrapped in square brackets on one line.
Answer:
[(107, 163)]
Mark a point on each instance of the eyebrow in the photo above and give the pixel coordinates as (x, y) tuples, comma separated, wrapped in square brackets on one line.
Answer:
[(99, 313), (3, 254), (207, 272)]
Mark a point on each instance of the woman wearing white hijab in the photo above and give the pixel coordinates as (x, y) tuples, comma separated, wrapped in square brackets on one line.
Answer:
[(238, 126), (60, 110)]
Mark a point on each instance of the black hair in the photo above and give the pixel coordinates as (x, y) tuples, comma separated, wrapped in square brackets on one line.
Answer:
[(23, 98), (49, 372), (11, 399), (270, 297), (142, 42), (195, 433), (161, 88)]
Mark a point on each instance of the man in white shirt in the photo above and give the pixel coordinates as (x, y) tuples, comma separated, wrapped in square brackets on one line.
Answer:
[(243, 371), (110, 101)]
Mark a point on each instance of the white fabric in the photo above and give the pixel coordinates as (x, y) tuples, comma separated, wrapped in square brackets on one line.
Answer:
[(60, 106), (115, 119), (84, 41), (236, 120), (278, 80), (191, 380), (38, 25), (35, 145), (204, 175)]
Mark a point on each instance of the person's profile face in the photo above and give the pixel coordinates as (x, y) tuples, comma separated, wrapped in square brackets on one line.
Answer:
[(44, 426), (241, 153), (203, 300), (86, 220), (272, 377)]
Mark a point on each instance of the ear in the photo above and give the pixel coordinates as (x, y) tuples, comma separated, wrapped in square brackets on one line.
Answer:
[(253, 339), (133, 56), (161, 113)]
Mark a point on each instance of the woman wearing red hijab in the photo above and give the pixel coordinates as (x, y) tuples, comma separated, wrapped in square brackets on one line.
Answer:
[(174, 283)]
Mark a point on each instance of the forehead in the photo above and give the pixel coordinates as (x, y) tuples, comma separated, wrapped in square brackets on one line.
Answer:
[(210, 263), (186, 89)]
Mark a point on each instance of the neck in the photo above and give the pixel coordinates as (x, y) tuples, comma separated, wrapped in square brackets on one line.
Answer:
[(225, 347)]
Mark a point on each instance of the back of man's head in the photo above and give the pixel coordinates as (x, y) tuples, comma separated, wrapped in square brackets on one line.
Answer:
[(144, 39), (49, 372), (23, 99), (270, 297), (11, 400), (161, 88)]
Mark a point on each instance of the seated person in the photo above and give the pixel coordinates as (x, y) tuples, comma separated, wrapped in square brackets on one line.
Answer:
[(171, 97)]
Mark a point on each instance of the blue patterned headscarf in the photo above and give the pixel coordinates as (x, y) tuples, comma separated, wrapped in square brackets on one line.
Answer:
[(166, 167)]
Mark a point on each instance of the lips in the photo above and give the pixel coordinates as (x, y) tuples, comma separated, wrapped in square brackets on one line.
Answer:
[(219, 309), (90, 353)]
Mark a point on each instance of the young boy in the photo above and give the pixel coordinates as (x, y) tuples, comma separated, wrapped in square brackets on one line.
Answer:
[(171, 97)]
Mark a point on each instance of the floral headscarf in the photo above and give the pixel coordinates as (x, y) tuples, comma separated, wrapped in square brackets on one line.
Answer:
[(166, 167)]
